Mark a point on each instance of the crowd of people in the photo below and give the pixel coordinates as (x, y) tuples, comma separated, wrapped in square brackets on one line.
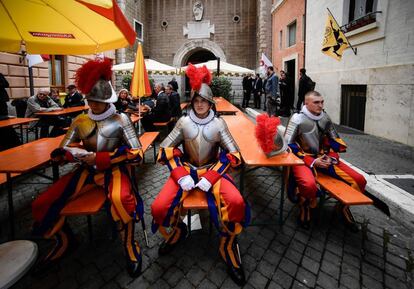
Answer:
[(275, 92)]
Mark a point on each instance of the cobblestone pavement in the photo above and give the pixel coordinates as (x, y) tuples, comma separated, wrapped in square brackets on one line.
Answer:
[(327, 256)]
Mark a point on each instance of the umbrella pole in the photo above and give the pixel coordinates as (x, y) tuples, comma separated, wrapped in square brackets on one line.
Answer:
[(139, 113)]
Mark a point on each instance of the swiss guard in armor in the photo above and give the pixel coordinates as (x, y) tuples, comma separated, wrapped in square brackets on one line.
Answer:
[(109, 142), (311, 135), (209, 150)]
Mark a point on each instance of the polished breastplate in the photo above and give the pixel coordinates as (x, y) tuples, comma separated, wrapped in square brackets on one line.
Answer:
[(307, 133), (201, 142), (102, 136)]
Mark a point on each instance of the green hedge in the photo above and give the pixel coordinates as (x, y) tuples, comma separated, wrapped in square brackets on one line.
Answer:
[(221, 86)]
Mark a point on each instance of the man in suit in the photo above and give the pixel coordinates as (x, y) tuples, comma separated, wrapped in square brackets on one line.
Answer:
[(160, 112), (257, 90), (272, 90), (247, 90), (73, 98)]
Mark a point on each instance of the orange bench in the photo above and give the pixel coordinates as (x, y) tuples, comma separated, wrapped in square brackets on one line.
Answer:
[(146, 140), (195, 200), (342, 191)]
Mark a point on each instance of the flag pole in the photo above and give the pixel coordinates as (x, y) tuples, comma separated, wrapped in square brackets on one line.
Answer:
[(354, 49)]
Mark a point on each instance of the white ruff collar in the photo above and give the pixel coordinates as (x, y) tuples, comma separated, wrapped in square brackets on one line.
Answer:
[(311, 115), (107, 113), (201, 121)]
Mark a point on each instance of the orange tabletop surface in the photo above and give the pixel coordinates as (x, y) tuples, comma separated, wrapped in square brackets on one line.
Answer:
[(16, 121), (63, 111), (243, 131), (223, 105), (28, 156)]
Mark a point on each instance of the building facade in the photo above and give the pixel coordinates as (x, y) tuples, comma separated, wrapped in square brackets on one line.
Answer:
[(288, 45), (373, 90)]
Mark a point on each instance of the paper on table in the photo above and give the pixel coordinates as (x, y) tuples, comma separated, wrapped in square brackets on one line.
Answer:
[(77, 152), (195, 222)]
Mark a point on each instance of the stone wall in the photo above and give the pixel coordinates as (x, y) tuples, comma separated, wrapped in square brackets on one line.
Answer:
[(236, 39)]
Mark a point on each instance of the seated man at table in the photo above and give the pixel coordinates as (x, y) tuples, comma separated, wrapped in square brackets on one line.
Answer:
[(109, 142), (201, 166), (311, 135), (41, 102), (174, 99), (160, 112), (73, 98)]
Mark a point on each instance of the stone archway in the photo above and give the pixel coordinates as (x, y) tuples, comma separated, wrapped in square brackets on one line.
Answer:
[(188, 48)]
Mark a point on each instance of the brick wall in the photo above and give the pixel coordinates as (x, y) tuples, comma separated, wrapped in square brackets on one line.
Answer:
[(17, 73), (287, 12)]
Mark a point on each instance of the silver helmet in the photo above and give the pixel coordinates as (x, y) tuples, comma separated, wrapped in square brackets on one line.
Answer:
[(279, 143), (205, 92), (102, 91), (269, 135)]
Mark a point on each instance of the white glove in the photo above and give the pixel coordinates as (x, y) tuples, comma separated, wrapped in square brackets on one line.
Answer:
[(186, 183), (204, 185)]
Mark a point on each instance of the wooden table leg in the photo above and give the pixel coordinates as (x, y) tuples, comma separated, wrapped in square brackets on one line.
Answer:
[(11, 207)]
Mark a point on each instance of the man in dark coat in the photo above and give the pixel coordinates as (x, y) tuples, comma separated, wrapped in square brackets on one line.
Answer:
[(286, 95), (304, 87), (73, 98), (174, 101), (160, 112), (174, 84), (257, 90), (247, 90)]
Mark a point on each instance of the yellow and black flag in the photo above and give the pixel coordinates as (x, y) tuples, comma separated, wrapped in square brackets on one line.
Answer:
[(334, 40)]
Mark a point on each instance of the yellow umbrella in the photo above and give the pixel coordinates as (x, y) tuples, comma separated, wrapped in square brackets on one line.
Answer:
[(63, 26), (140, 85)]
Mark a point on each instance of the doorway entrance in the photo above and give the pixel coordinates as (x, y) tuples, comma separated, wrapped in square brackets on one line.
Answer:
[(198, 56), (290, 69), (353, 101)]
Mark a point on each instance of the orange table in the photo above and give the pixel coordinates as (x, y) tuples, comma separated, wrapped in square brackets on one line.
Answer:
[(243, 131), (17, 121), (23, 159), (223, 106), (64, 111)]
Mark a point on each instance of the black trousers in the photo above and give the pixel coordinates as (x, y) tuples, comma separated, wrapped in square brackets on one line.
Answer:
[(246, 98), (257, 100)]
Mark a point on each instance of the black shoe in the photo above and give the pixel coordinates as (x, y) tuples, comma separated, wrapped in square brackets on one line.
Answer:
[(133, 268), (304, 225), (166, 248), (237, 275), (353, 227)]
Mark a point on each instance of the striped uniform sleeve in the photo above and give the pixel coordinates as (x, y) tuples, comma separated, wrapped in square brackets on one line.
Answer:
[(219, 168), (171, 157), (104, 160), (298, 151)]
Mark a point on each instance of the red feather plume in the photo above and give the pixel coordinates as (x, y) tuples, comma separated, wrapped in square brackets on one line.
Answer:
[(90, 72), (266, 129), (198, 76)]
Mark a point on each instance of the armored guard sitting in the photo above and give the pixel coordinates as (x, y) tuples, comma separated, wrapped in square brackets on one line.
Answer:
[(109, 142), (311, 135), (203, 166)]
